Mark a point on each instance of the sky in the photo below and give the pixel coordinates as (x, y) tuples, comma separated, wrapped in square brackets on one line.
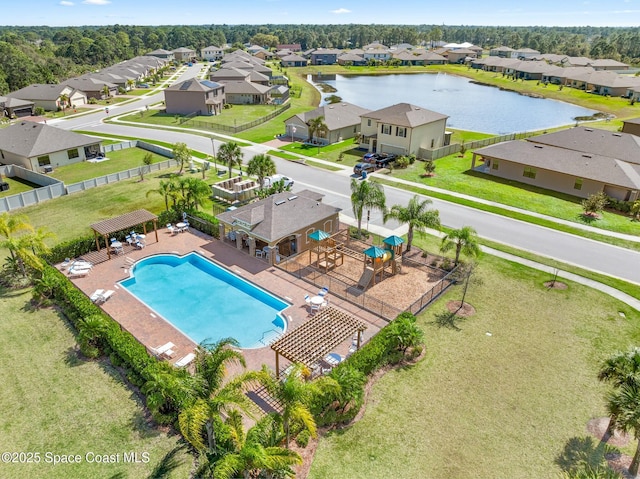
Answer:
[(410, 12)]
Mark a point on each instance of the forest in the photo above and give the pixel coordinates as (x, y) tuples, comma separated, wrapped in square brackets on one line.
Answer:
[(41, 54)]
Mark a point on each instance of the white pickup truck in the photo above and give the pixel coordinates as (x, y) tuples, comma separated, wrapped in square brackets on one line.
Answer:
[(270, 180)]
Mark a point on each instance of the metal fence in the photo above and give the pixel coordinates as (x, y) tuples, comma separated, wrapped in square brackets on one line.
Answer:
[(427, 298), (236, 128), (434, 154), (50, 188)]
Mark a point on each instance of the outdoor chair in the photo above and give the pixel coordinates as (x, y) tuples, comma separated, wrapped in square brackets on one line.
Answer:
[(139, 245), (307, 299), (103, 297), (258, 253), (323, 291), (96, 295), (180, 363), (130, 240)]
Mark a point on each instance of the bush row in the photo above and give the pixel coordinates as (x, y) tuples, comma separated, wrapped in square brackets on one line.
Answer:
[(619, 205)]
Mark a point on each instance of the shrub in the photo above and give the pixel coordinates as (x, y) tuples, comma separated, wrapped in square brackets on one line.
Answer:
[(594, 204), (302, 439), (71, 249), (402, 162), (39, 111)]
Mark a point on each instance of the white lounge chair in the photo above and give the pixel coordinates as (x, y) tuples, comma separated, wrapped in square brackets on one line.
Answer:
[(102, 298), (78, 272), (139, 245), (164, 350), (307, 299), (96, 295), (182, 362)]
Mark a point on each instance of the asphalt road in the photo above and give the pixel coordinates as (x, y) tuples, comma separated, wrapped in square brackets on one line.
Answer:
[(585, 253)]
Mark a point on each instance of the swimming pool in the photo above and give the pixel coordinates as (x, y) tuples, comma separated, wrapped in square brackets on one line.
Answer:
[(207, 301)]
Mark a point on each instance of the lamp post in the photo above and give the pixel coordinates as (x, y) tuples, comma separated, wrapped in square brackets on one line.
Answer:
[(213, 147)]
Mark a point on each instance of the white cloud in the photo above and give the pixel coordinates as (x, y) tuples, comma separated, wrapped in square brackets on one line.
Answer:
[(96, 2), (340, 11), (64, 3)]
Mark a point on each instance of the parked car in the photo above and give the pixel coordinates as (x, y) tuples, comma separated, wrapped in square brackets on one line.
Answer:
[(143, 85), (271, 180), (384, 160), (370, 157), (360, 167)]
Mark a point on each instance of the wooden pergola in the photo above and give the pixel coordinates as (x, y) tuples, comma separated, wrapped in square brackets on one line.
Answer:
[(317, 337), (122, 223)]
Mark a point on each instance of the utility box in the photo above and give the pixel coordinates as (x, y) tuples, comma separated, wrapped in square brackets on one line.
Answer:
[(4, 186)]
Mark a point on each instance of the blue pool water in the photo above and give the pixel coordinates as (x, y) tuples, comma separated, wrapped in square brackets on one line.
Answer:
[(207, 301)]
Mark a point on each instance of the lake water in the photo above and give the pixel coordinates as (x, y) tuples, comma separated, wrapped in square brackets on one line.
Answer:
[(469, 106)]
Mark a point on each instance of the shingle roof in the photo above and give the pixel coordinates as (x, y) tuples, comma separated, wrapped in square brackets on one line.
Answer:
[(246, 87), (7, 102), (281, 214), (39, 91), (405, 114), (29, 139), (88, 84), (195, 84), (336, 115)]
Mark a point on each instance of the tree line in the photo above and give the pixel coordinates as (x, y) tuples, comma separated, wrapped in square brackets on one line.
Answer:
[(41, 54)]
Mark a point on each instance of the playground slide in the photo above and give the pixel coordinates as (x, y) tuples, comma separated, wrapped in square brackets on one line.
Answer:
[(366, 278)]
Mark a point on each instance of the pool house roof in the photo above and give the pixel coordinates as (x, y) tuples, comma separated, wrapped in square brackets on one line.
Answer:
[(317, 337)]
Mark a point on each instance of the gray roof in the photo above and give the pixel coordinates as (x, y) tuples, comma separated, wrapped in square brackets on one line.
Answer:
[(229, 73), (405, 114), (350, 57), (88, 84), (336, 115), (7, 102), (38, 91), (622, 146), (160, 51), (29, 139), (280, 215), (244, 87), (293, 58), (569, 162), (326, 51), (183, 50), (195, 84)]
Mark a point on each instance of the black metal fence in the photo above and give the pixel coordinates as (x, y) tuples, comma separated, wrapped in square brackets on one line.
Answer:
[(207, 125)]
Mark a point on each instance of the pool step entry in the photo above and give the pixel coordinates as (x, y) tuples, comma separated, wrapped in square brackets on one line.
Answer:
[(269, 336)]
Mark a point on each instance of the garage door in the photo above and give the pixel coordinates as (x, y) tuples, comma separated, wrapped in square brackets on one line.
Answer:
[(397, 150)]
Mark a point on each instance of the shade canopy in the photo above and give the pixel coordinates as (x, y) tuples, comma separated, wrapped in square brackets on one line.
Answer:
[(393, 240), (374, 252), (319, 235)]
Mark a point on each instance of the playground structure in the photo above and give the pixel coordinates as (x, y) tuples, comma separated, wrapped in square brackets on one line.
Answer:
[(235, 190), (328, 252)]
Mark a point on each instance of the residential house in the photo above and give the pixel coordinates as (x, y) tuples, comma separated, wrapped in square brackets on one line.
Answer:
[(212, 53), (203, 97), (606, 82), (401, 46), (49, 97), (631, 126), (93, 87), (279, 225), (578, 161), (407, 58), (292, 60), (502, 52), (240, 92), (461, 55), (402, 129), (375, 46), (351, 58), (325, 56), (525, 53), (343, 121), (15, 107), (607, 64), (229, 74), (40, 147), (253, 49), (430, 58), (183, 54), (164, 54), (378, 53), (532, 70), (251, 66), (561, 75), (292, 47), (264, 55), (279, 94)]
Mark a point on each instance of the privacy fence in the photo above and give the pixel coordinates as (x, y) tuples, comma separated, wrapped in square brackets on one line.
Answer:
[(207, 125), (436, 153)]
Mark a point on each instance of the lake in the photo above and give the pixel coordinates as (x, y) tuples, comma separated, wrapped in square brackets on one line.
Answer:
[(470, 106)]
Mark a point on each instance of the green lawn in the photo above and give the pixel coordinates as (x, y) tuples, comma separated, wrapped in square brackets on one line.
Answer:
[(54, 401), (16, 185), (118, 161), (489, 406)]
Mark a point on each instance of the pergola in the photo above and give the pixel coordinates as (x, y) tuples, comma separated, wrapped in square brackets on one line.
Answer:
[(317, 337), (123, 223)]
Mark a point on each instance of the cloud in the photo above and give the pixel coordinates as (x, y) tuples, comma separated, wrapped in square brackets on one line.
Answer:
[(340, 11), (96, 2), (64, 3)]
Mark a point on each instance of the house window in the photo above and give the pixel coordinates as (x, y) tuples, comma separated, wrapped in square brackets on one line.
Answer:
[(73, 153), (494, 165), (44, 160), (529, 172), (401, 131), (386, 129), (369, 122), (578, 184)]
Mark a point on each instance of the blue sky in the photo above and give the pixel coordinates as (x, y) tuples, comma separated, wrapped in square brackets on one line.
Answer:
[(197, 12)]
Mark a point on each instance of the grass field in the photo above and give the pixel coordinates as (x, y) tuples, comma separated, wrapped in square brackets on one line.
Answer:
[(498, 396), (54, 401), (16, 185)]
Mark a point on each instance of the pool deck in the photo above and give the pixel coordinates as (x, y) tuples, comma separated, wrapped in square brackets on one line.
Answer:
[(153, 331)]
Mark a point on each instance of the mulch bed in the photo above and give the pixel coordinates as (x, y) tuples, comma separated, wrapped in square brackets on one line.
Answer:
[(555, 285), (463, 310)]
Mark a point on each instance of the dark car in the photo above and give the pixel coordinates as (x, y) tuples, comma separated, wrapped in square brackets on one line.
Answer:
[(360, 167), (385, 160), (371, 157)]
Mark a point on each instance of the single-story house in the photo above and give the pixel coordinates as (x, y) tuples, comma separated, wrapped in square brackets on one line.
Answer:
[(525, 53), (264, 55), (251, 66), (460, 55), (194, 95), (532, 70), (279, 94), (407, 58), (240, 92), (502, 52), (292, 60), (183, 54), (36, 146), (92, 87), (15, 107), (608, 64), (402, 129), (278, 225), (342, 119), (229, 74), (561, 75), (430, 58), (164, 54), (325, 56), (49, 96), (578, 161), (631, 126), (292, 47), (351, 58), (212, 53)]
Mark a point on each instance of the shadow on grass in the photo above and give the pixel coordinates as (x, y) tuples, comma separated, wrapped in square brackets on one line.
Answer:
[(585, 457), (449, 320), (587, 218)]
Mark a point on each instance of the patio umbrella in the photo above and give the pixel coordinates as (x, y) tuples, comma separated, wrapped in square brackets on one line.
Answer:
[(393, 240), (374, 252), (319, 235)]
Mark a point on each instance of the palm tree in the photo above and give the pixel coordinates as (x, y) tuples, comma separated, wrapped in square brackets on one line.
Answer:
[(624, 407), (130, 84), (618, 370), (251, 456), (214, 396), (106, 92), (164, 189), (24, 244), (196, 192), (464, 240), (64, 101), (366, 194), (230, 154), (9, 226), (261, 166), (417, 215), (315, 125), (295, 395)]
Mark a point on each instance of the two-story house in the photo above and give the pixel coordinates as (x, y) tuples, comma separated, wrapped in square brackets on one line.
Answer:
[(204, 97)]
